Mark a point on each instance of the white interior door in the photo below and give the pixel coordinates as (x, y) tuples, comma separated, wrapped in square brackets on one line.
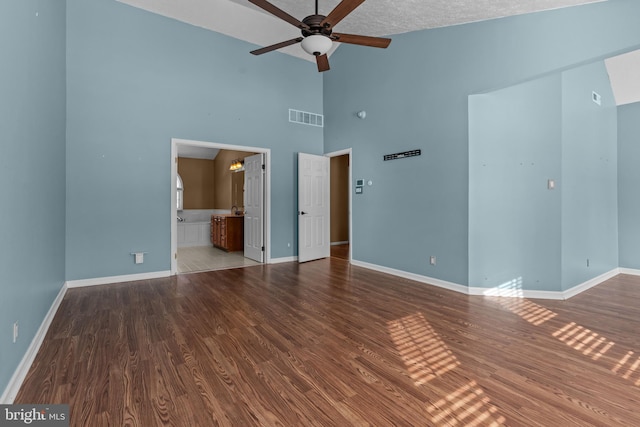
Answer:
[(313, 207), (254, 207)]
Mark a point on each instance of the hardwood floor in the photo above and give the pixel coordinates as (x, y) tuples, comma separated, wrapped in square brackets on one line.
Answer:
[(329, 344), (340, 251)]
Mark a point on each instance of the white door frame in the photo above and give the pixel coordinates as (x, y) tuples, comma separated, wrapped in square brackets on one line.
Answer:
[(174, 176), (347, 151)]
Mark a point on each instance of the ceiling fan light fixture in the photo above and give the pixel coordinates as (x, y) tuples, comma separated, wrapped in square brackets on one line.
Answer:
[(316, 44)]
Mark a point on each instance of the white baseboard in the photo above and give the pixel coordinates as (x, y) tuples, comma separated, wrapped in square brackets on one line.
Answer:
[(11, 391), (505, 292), (412, 276), (516, 293), (590, 283), (283, 259), (117, 279), (629, 271)]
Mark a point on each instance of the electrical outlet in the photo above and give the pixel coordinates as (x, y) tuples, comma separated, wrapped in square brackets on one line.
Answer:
[(15, 332), (432, 260)]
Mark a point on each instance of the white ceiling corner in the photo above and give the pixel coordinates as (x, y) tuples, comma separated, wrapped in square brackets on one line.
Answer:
[(623, 73), (242, 20)]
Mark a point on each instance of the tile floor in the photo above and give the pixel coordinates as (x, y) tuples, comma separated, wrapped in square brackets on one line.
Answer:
[(205, 258)]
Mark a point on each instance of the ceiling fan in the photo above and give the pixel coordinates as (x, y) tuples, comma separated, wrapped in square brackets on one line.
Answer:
[(317, 31)]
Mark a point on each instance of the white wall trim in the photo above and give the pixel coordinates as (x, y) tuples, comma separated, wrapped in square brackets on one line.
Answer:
[(504, 292), (175, 142), (571, 292), (515, 293), (412, 276), (22, 370), (283, 259), (629, 271), (117, 279)]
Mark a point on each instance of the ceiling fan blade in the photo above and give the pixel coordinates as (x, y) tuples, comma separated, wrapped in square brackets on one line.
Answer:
[(323, 62), (344, 8), (361, 40), (277, 46), (264, 4)]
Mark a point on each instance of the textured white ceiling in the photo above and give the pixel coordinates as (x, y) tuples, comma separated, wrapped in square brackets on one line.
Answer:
[(242, 20), (387, 17)]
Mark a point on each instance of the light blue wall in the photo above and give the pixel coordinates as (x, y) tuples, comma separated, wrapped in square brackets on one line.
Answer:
[(32, 169), (589, 176), (514, 219), (415, 94), (136, 80), (521, 233), (628, 185)]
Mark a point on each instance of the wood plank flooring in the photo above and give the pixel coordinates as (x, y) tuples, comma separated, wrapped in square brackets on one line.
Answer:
[(340, 251), (329, 344)]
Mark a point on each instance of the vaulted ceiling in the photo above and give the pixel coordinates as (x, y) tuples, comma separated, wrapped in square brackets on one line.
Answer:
[(242, 20)]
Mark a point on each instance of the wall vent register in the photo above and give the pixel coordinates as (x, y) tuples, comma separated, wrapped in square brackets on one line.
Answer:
[(306, 118)]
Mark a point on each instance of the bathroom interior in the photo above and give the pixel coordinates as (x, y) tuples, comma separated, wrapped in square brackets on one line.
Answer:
[(210, 183)]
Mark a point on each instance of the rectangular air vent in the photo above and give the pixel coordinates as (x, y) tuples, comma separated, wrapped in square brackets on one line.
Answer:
[(305, 118)]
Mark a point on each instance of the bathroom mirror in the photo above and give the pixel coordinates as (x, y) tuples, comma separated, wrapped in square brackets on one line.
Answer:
[(237, 190), (180, 189)]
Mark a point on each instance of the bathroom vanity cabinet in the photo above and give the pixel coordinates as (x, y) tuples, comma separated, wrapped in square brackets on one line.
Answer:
[(227, 232)]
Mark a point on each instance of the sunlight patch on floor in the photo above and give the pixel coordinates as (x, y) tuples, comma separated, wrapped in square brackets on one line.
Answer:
[(584, 340), (579, 338), (529, 311), (424, 354), (426, 357), (629, 365), (467, 406)]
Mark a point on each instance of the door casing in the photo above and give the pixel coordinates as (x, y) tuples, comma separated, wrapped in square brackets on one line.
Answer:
[(175, 142)]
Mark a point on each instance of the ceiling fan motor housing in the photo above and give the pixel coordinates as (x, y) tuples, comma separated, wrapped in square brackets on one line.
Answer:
[(317, 40), (315, 26)]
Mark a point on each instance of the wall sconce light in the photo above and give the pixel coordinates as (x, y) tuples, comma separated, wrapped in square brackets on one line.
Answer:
[(361, 114), (237, 165)]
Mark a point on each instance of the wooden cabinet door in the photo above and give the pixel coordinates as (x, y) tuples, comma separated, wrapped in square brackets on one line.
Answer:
[(227, 232)]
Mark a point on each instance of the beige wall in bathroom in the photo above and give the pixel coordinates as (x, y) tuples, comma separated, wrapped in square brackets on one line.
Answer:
[(198, 178), (223, 178)]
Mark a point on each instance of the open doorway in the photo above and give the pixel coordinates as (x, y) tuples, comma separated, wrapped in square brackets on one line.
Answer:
[(208, 229), (340, 203)]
